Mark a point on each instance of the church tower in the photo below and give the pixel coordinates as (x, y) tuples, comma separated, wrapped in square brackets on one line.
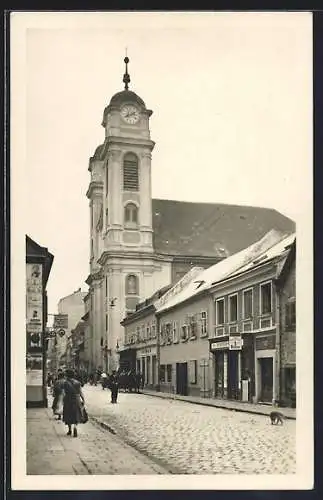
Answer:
[(122, 256)]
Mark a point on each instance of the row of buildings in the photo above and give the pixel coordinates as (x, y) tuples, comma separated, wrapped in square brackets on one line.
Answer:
[(227, 332)]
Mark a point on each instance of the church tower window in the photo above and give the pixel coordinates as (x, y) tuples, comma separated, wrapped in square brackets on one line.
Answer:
[(131, 214), (130, 173)]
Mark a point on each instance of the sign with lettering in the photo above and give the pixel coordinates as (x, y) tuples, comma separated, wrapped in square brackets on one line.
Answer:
[(235, 343), (220, 345), (61, 321), (264, 343)]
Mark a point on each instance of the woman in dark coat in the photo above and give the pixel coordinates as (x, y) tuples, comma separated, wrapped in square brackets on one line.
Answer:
[(73, 399)]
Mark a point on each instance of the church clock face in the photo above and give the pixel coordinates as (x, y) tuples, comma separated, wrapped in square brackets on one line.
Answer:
[(130, 114)]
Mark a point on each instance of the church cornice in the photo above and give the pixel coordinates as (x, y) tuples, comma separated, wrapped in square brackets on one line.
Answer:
[(126, 141), (94, 187), (131, 254), (95, 276)]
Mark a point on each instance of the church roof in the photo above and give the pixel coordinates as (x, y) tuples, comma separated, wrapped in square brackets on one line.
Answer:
[(126, 96), (211, 229)]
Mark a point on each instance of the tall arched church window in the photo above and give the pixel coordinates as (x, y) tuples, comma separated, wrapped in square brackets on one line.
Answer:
[(132, 285), (131, 213), (130, 172), (106, 179)]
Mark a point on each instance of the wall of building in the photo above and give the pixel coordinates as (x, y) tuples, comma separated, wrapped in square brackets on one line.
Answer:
[(194, 350), (288, 339), (73, 306)]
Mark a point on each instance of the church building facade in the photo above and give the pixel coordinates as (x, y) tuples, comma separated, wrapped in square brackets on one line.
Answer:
[(139, 244)]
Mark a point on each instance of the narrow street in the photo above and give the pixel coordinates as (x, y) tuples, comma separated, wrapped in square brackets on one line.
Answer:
[(194, 439)]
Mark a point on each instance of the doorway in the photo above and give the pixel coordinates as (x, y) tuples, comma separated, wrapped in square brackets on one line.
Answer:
[(181, 379), (266, 378), (233, 375), (219, 374)]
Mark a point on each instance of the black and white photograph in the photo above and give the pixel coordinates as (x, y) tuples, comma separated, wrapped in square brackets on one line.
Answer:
[(162, 227)]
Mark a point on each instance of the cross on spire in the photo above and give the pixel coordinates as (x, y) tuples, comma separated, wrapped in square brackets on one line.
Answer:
[(126, 76)]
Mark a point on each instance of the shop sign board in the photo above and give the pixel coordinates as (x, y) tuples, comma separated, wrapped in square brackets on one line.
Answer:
[(235, 343), (61, 321), (224, 344)]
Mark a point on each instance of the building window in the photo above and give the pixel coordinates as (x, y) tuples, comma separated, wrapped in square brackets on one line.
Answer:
[(107, 216), (138, 334), (247, 299), (148, 332), (233, 308), (265, 298), (106, 180), (130, 173), (184, 332), (168, 333), (169, 373), (290, 314), (175, 333), (106, 322), (220, 312), (153, 330), (132, 287), (192, 326), (101, 342), (203, 323), (142, 332), (131, 214), (162, 373)]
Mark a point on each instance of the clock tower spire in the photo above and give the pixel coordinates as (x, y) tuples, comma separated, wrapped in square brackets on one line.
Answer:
[(126, 76)]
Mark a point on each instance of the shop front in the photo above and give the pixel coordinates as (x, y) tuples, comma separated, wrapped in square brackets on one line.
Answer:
[(146, 364), (227, 367)]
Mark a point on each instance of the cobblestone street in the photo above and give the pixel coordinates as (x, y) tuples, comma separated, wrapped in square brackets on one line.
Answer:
[(195, 439)]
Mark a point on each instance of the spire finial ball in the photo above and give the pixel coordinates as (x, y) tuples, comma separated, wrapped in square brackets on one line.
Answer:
[(126, 60)]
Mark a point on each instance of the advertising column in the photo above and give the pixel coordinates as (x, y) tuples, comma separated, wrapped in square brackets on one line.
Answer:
[(34, 331)]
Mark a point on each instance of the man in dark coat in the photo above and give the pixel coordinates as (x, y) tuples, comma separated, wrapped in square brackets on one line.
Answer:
[(114, 386)]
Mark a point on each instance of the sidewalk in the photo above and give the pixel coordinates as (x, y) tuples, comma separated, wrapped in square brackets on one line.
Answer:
[(95, 451), (260, 409)]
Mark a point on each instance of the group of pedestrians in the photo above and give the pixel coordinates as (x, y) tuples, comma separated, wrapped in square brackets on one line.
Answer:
[(68, 400)]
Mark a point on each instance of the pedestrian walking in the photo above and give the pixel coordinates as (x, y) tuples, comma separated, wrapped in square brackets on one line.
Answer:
[(73, 402), (114, 386), (58, 393)]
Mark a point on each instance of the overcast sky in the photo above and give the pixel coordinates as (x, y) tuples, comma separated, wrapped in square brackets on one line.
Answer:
[(231, 96)]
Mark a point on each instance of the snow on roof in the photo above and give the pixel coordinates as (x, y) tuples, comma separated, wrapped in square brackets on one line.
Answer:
[(227, 267)]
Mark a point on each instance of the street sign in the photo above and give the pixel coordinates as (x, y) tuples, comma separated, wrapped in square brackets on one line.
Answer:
[(61, 332), (61, 321)]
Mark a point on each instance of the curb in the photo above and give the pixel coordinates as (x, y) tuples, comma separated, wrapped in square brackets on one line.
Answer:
[(212, 405), (159, 463)]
